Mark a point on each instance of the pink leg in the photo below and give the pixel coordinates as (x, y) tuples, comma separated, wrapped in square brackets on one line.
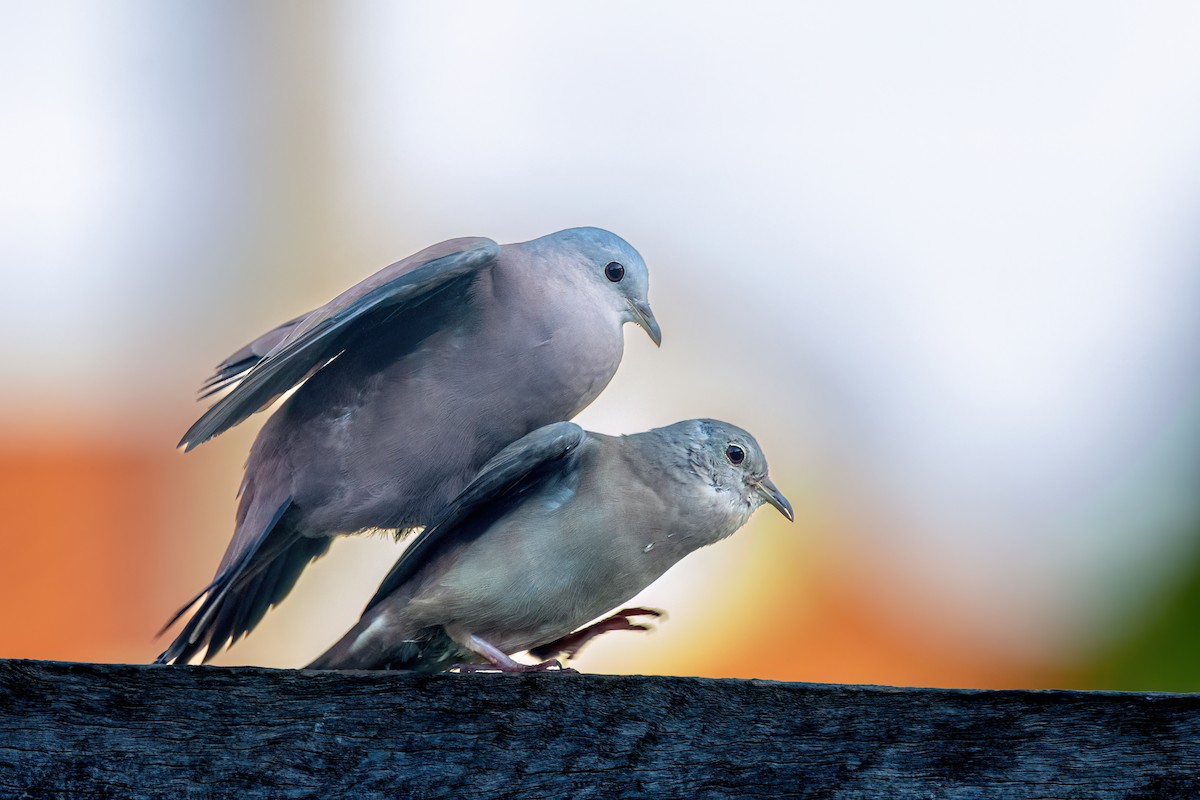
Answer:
[(569, 646), (498, 660)]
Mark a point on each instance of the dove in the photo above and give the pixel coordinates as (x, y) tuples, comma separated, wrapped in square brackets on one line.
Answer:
[(557, 529), (408, 382)]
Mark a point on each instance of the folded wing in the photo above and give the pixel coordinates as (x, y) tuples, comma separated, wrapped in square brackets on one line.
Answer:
[(517, 470)]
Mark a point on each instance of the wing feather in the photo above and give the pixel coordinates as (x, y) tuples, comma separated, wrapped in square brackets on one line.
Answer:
[(306, 344), (515, 471)]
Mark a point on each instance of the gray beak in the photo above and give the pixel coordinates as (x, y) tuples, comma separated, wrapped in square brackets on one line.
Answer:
[(644, 317), (773, 496)]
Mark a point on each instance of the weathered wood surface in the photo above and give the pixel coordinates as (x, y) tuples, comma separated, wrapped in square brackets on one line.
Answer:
[(98, 731)]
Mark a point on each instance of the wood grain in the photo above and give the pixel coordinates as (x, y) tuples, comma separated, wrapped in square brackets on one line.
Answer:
[(98, 731)]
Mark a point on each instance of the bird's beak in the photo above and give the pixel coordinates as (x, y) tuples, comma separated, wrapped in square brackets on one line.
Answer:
[(773, 496), (644, 317)]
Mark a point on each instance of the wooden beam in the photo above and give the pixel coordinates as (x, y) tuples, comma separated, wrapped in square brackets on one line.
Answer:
[(100, 730)]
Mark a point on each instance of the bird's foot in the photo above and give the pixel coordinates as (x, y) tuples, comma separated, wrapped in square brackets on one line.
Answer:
[(499, 661), (567, 647), (550, 665)]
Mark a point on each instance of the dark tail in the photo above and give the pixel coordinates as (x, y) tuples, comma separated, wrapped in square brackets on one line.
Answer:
[(242, 593), (381, 646)]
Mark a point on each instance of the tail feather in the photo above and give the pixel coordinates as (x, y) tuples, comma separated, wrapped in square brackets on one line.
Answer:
[(371, 646), (244, 590), (185, 608)]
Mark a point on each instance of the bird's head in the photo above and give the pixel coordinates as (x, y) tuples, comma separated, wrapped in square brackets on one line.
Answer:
[(617, 272), (731, 460)]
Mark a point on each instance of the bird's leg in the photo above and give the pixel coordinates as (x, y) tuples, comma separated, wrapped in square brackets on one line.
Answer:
[(497, 659), (567, 647)]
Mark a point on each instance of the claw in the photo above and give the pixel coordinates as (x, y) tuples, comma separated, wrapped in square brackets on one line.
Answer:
[(550, 665), (569, 646), (498, 661)]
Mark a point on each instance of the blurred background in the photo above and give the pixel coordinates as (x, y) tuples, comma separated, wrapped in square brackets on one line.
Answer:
[(942, 259)]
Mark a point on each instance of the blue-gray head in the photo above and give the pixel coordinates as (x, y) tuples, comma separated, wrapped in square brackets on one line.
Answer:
[(730, 460), (613, 267)]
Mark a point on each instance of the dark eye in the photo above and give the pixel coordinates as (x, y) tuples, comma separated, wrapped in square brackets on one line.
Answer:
[(614, 271), (735, 454)]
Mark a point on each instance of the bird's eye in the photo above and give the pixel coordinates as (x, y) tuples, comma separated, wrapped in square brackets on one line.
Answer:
[(735, 454), (614, 271)]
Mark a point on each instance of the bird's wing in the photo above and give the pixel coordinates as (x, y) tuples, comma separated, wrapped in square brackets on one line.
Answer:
[(518, 469), (235, 367), (312, 341)]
